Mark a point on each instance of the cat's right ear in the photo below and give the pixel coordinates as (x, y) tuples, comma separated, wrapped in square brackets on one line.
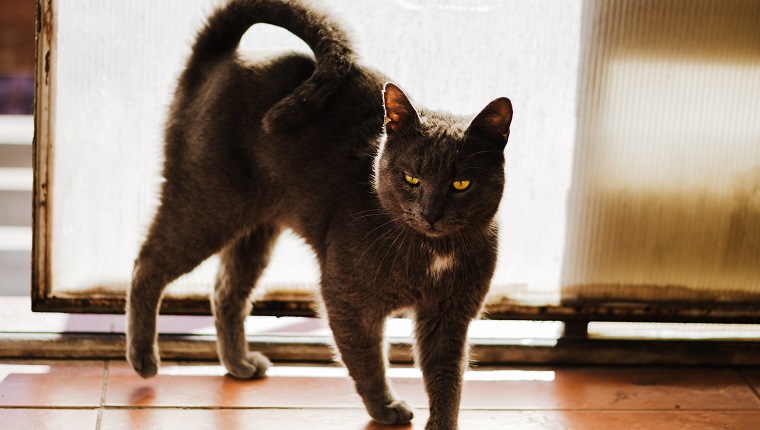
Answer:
[(399, 112)]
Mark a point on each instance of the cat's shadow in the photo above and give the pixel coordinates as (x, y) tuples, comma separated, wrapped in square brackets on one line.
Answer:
[(142, 395)]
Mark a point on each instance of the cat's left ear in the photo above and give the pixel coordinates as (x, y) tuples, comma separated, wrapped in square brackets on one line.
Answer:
[(399, 112), (494, 119)]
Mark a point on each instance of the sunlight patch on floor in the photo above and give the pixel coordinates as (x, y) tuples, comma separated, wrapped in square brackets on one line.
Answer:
[(340, 372)]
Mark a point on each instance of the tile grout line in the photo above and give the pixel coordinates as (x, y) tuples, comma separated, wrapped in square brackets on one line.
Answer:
[(746, 381), (103, 387)]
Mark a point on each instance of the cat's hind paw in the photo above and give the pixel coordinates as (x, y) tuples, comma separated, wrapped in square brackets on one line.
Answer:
[(252, 366), (396, 413), (145, 361)]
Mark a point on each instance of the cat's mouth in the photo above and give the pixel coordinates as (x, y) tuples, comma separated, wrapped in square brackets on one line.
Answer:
[(436, 231)]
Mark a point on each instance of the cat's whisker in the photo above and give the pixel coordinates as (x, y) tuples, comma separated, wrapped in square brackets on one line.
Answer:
[(398, 250), (387, 238), (368, 210), (378, 209), (373, 212), (467, 250), (385, 234), (380, 226), (366, 216), (386, 254), (376, 244)]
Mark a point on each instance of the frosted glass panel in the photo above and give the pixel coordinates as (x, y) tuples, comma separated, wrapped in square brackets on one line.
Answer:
[(666, 192), (117, 62)]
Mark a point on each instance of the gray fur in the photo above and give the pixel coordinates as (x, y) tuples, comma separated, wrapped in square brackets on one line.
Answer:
[(321, 146)]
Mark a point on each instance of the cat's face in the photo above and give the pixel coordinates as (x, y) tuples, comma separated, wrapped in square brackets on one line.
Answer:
[(438, 175)]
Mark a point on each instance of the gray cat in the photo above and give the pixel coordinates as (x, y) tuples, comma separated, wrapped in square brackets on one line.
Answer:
[(397, 202)]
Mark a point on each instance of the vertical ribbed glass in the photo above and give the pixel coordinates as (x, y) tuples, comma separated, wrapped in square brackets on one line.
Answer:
[(665, 199)]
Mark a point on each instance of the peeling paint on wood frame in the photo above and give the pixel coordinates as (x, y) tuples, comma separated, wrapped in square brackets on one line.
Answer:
[(42, 144)]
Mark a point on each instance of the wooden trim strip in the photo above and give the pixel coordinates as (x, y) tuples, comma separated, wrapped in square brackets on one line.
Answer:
[(697, 312), (309, 349)]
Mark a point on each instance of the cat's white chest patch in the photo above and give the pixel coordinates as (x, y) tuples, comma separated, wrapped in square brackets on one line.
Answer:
[(441, 263)]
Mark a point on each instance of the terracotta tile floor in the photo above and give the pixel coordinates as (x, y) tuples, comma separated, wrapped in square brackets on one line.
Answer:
[(108, 395)]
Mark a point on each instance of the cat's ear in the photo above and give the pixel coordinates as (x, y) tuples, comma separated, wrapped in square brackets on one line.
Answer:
[(494, 119), (399, 112)]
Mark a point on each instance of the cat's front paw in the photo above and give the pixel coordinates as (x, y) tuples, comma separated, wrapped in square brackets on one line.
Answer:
[(144, 360), (435, 425), (397, 413), (252, 366)]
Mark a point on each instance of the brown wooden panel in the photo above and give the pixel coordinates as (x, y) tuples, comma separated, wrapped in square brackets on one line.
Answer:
[(17, 36)]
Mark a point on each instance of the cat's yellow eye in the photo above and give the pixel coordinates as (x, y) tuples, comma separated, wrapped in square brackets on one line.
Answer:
[(411, 180), (460, 185)]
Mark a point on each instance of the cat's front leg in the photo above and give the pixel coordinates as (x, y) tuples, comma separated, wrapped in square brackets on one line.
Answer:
[(358, 335), (441, 347)]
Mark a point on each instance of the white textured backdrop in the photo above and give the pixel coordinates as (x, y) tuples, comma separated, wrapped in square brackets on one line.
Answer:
[(117, 63)]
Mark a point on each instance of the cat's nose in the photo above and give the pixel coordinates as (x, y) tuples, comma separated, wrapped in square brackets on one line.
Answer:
[(432, 215)]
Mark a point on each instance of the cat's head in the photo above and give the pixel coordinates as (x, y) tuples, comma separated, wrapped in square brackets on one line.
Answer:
[(441, 174)]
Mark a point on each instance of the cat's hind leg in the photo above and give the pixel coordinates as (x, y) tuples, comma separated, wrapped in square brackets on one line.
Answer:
[(241, 264), (180, 238), (358, 334)]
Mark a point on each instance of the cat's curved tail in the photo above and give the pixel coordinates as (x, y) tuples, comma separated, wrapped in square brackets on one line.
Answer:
[(330, 44)]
